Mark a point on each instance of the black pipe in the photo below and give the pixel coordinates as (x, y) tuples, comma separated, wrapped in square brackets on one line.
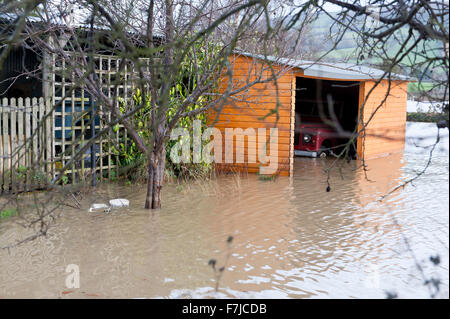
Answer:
[(93, 159), (91, 104)]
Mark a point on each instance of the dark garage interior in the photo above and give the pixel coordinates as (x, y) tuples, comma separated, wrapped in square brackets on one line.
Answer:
[(318, 105)]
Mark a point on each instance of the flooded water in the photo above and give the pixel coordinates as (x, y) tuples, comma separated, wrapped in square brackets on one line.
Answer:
[(291, 238)]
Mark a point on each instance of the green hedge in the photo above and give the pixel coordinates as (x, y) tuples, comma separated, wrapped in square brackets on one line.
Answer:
[(425, 117)]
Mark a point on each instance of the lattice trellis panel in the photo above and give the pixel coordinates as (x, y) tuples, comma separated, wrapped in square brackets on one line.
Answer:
[(72, 118)]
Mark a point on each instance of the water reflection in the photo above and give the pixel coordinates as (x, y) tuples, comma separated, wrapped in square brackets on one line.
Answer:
[(291, 237)]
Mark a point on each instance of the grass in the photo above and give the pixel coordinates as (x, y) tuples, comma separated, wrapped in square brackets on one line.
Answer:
[(416, 87), (266, 177), (9, 212)]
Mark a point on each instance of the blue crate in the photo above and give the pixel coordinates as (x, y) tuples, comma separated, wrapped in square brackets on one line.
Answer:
[(68, 118)]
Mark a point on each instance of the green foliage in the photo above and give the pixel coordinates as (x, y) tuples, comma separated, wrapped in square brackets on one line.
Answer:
[(9, 212), (131, 158), (21, 172), (426, 117), (266, 177), (65, 180), (113, 176)]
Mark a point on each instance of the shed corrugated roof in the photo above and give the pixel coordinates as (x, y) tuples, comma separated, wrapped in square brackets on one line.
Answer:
[(338, 71), (10, 17)]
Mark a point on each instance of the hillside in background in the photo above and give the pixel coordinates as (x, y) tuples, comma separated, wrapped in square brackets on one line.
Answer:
[(349, 49)]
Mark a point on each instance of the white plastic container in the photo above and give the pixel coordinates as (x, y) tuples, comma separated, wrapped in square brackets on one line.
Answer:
[(98, 208), (119, 202)]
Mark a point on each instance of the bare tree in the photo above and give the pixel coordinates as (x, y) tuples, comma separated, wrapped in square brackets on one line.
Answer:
[(407, 37), (158, 40)]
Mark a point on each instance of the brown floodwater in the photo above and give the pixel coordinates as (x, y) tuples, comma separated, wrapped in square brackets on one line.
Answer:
[(291, 238)]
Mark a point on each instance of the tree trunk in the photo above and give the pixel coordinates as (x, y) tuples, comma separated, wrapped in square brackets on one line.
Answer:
[(149, 198), (155, 180), (159, 178)]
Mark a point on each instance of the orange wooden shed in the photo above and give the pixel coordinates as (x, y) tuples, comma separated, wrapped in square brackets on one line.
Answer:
[(371, 100)]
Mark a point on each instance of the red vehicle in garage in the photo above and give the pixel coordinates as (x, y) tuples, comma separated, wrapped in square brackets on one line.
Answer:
[(316, 139)]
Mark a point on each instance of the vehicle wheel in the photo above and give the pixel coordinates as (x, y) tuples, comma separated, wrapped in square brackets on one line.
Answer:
[(323, 154), (325, 149)]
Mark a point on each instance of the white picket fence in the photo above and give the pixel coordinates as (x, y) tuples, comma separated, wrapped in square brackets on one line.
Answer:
[(38, 139), (26, 149)]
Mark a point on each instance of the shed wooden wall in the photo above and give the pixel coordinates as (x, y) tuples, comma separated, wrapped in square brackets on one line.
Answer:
[(385, 133), (255, 103)]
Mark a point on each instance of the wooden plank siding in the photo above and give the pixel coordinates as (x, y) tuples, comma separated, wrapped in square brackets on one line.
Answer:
[(385, 133), (252, 109)]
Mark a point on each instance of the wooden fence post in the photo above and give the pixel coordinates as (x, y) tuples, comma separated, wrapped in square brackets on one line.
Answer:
[(15, 145), (6, 146), (1, 149)]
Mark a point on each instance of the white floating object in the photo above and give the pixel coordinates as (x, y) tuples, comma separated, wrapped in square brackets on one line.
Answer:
[(98, 207), (119, 202)]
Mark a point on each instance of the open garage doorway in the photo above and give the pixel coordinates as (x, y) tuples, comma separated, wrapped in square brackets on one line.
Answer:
[(326, 114)]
